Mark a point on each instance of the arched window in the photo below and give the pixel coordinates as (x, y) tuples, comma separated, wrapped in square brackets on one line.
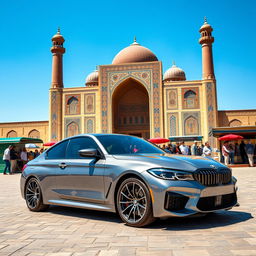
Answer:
[(73, 129), (190, 100), (34, 134), (11, 134), (191, 126), (235, 122), (72, 105)]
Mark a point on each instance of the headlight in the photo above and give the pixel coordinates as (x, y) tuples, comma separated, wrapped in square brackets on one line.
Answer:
[(168, 174)]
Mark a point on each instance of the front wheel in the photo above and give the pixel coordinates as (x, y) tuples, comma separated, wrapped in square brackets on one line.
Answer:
[(134, 204), (33, 196)]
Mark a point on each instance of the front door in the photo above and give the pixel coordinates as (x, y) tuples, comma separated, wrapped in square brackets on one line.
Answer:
[(80, 178)]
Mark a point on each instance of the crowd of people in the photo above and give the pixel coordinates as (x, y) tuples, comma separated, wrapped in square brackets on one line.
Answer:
[(194, 150), (15, 158), (244, 152)]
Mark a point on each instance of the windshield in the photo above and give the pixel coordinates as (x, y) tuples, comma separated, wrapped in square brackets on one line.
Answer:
[(121, 144)]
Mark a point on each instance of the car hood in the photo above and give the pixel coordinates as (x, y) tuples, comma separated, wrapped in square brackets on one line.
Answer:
[(179, 162)]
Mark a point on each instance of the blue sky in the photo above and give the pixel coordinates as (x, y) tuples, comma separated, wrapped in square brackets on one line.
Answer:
[(95, 31)]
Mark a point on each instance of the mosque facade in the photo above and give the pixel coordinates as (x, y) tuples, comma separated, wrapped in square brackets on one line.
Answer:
[(134, 96)]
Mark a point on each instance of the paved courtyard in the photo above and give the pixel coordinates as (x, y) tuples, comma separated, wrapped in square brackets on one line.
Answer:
[(64, 231)]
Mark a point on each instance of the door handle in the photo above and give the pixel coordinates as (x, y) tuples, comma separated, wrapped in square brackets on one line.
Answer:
[(62, 165)]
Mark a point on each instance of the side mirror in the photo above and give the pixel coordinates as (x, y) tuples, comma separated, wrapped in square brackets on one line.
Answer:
[(89, 152)]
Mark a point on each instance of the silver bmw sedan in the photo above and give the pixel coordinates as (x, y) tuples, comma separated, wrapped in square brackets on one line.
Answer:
[(127, 175)]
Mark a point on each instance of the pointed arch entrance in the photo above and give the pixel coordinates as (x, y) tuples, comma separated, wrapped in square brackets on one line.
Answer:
[(130, 109)]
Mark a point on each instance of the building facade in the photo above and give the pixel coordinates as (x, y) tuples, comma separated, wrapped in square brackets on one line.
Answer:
[(134, 96)]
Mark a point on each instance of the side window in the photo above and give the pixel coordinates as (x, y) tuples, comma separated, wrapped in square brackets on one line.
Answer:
[(58, 152), (77, 144)]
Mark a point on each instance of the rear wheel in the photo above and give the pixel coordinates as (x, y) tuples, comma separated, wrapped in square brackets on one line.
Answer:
[(134, 204), (33, 196)]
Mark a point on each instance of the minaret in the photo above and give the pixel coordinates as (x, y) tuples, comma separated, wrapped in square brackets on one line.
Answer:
[(57, 50), (206, 41), (209, 101), (55, 123)]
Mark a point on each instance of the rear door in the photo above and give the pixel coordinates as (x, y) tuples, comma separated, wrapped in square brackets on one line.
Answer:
[(81, 178), (50, 167)]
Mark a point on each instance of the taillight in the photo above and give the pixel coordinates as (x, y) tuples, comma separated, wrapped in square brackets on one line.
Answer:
[(24, 167)]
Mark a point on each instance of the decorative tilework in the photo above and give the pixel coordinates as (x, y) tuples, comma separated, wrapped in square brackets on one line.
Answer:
[(89, 124), (191, 123), (190, 102), (171, 99), (117, 77), (55, 115), (89, 103), (210, 104), (72, 104), (72, 126), (146, 73), (173, 124)]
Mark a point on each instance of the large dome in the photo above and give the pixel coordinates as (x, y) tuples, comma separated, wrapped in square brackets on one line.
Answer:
[(134, 53)]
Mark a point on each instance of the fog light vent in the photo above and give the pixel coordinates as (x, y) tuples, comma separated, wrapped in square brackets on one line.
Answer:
[(174, 201)]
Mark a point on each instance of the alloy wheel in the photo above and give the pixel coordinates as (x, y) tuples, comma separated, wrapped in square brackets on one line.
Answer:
[(132, 202), (33, 195)]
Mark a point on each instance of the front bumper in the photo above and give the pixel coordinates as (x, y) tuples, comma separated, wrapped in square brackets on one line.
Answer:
[(184, 198)]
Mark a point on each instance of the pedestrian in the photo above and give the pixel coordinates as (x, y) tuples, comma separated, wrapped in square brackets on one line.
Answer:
[(7, 160), (189, 150), (243, 152), (13, 157), (225, 153), (41, 151), (231, 149), (31, 156), (249, 147), (177, 150), (194, 149), (237, 152), (24, 156), (183, 148), (36, 154), (207, 150)]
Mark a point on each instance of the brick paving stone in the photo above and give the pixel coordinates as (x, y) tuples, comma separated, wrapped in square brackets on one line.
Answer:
[(63, 231)]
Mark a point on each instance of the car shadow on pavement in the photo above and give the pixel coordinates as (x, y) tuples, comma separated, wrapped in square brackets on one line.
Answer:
[(211, 220), (84, 213)]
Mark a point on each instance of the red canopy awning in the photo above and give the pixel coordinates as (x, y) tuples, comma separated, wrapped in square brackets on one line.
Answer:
[(159, 140), (231, 137), (49, 144)]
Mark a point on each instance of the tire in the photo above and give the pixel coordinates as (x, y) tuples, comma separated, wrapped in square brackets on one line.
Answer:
[(133, 203), (33, 196)]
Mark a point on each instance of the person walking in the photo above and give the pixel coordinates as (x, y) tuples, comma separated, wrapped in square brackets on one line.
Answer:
[(13, 157), (207, 150), (231, 149), (249, 148), (225, 153), (183, 148), (194, 149), (242, 152), (24, 156), (7, 160)]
